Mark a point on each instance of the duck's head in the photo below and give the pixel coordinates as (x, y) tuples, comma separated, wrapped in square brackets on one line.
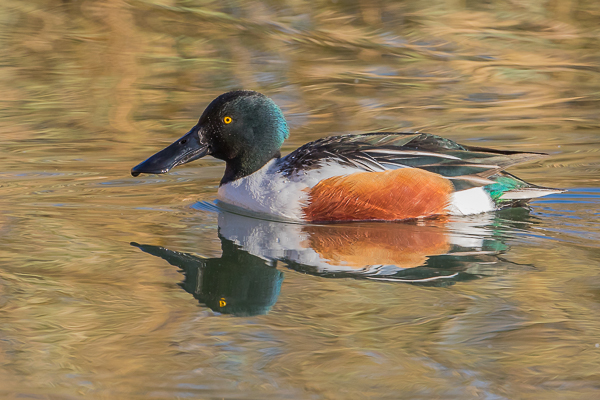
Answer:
[(244, 128)]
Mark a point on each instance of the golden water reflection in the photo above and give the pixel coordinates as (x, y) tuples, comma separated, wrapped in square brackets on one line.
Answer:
[(89, 88)]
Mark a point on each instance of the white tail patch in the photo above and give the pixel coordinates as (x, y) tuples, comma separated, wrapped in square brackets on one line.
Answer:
[(470, 201), (528, 193)]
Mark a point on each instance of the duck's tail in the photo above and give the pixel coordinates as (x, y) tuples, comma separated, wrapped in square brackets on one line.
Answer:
[(509, 190)]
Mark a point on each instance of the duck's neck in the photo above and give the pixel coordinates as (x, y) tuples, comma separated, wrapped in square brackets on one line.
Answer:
[(241, 167)]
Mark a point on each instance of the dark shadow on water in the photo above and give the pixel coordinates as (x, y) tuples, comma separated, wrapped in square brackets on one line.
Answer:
[(245, 280)]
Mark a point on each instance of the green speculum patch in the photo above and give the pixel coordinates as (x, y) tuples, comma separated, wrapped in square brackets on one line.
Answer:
[(503, 184)]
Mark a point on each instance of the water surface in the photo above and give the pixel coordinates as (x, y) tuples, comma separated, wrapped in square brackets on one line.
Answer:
[(120, 287)]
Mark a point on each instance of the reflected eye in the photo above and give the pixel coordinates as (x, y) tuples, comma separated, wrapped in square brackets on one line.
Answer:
[(227, 120)]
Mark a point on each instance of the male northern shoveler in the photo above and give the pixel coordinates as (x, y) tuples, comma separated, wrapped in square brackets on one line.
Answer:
[(372, 176)]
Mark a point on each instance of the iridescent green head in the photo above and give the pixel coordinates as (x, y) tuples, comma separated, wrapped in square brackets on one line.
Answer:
[(244, 128)]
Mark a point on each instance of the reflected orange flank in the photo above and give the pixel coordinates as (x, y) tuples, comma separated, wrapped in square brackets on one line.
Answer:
[(405, 246)]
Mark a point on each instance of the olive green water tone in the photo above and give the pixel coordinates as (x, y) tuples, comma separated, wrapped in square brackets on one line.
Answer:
[(121, 287)]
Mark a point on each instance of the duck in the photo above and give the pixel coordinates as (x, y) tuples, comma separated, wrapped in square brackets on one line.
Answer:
[(380, 176)]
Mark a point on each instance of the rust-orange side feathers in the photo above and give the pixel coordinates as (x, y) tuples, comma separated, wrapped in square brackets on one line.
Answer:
[(399, 194)]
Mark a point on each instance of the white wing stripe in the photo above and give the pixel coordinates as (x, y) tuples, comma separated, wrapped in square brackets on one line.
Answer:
[(411, 153)]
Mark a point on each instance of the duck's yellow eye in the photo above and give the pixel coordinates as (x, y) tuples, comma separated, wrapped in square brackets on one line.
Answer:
[(227, 120)]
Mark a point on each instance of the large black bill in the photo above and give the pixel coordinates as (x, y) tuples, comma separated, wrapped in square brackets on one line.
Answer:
[(186, 149)]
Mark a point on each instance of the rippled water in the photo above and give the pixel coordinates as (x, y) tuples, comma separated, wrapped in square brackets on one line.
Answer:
[(120, 287)]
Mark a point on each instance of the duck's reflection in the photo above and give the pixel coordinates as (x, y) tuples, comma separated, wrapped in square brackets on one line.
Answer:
[(237, 283), (245, 279)]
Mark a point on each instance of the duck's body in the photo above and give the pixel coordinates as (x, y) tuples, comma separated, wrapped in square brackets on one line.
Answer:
[(382, 176), (377, 176)]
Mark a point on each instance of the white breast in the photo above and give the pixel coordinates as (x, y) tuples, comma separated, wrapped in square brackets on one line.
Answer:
[(268, 191)]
